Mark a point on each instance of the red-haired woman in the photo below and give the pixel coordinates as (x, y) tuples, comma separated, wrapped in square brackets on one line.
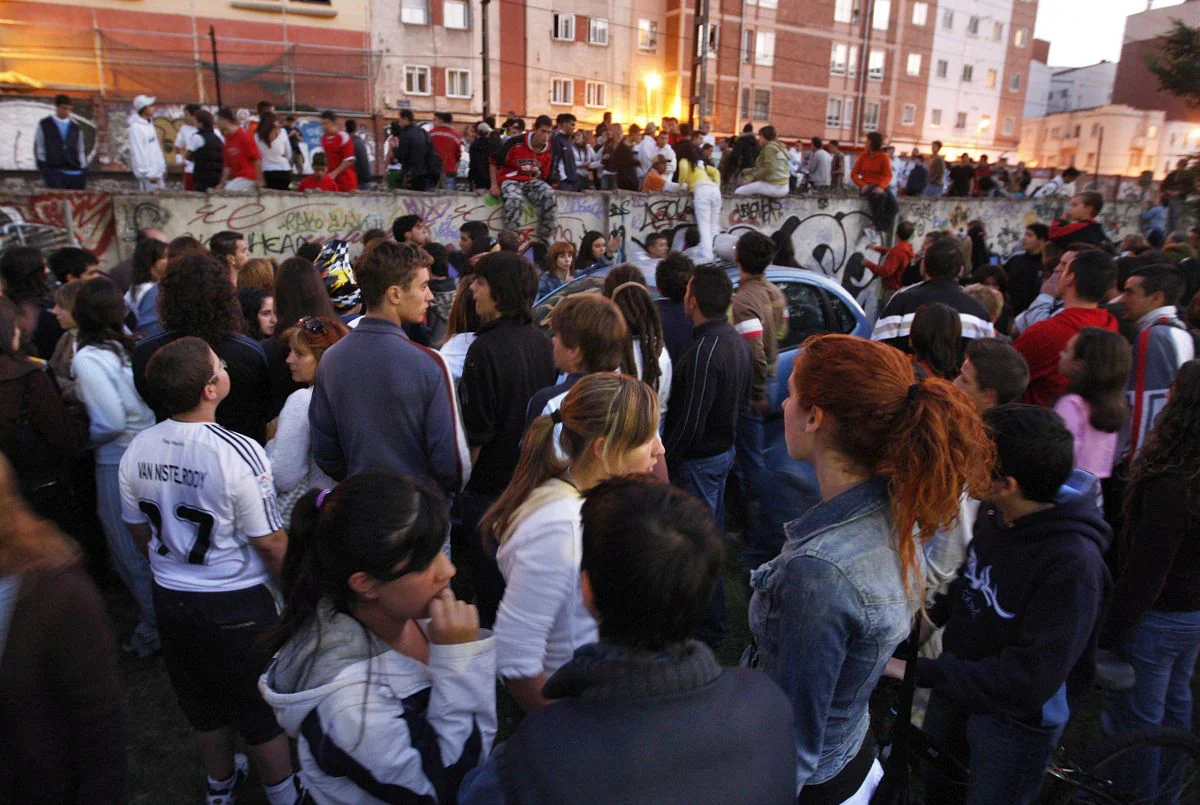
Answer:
[(290, 450), (892, 456)]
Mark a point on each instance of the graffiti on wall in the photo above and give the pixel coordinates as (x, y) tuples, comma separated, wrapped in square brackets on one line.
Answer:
[(61, 218), (19, 118)]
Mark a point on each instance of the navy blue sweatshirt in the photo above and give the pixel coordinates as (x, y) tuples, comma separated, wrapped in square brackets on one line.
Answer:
[(1023, 616), (710, 387)]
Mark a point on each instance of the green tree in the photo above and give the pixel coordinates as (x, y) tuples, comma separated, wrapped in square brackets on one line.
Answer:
[(1177, 63)]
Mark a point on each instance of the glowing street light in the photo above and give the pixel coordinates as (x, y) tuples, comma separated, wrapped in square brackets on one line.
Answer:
[(653, 84)]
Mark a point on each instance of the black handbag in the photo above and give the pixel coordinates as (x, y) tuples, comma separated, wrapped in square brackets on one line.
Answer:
[(36, 462)]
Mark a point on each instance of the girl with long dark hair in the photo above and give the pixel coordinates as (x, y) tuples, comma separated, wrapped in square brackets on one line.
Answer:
[(276, 149), (299, 292), (609, 427), (593, 253), (936, 340), (149, 266), (646, 355), (892, 456), (379, 668), (116, 413), (1096, 364)]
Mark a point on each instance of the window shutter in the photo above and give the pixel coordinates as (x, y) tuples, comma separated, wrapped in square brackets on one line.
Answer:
[(581, 28), (439, 81)]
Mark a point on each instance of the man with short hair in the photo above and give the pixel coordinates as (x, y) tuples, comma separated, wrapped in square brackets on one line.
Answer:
[(1058, 185), (1162, 346), (772, 171), (650, 561), (942, 265), (1176, 186), (565, 169), (1024, 268), (182, 139), (420, 164), (896, 259), (519, 173), (1079, 224), (362, 155), (339, 152), (936, 184), (230, 248), (918, 175), (993, 373), (72, 263), (1084, 280), (872, 174), (405, 421), (1023, 618), (711, 388), (819, 166), (671, 277), (657, 245), (449, 147), (411, 229), (242, 170), (59, 149), (146, 160), (199, 500), (657, 181)]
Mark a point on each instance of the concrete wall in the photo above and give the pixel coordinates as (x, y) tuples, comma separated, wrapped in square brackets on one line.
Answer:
[(830, 234)]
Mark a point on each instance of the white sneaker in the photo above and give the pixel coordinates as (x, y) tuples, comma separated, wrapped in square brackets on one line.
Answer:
[(227, 794)]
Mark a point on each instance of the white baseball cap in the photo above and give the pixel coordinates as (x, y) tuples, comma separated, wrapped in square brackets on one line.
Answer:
[(142, 101)]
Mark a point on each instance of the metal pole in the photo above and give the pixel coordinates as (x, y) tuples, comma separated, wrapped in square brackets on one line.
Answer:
[(98, 45), (704, 110), (212, 36), (487, 60)]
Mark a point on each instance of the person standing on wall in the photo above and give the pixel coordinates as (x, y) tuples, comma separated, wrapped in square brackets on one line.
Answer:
[(204, 155), (58, 149), (276, 150), (449, 147), (415, 154), (146, 158), (339, 151), (243, 170), (182, 137), (362, 155)]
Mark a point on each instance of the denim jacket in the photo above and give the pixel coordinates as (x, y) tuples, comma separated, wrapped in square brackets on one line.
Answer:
[(826, 615)]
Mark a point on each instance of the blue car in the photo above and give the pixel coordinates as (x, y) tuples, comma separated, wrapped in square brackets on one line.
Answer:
[(816, 305)]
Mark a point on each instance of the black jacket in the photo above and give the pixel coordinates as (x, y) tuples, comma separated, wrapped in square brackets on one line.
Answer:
[(743, 155), (481, 152), (413, 149), (1023, 617), (677, 328), (1024, 279), (895, 322), (637, 727), (563, 157), (362, 161), (709, 388), (208, 161)]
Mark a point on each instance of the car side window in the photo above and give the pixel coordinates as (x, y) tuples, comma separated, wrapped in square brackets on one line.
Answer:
[(806, 310), (844, 321), (541, 313)]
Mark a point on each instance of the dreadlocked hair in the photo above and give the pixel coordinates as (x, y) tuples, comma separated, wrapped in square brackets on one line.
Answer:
[(645, 325)]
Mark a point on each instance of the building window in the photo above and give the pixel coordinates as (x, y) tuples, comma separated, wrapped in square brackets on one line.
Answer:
[(948, 19), (762, 104), (564, 27), (910, 114), (960, 120), (943, 68), (414, 12), (833, 113), (848, 113), (997, 32), (454, 14), (843, 11), (764, 48), (871, 115), (747, 45), (935, 117), (763, 3), (1095, 129), (968, 74), (875, 65), (991, 78), (596, 94), (1020, 37), (1014, 82), (709, 42), (882, 15), (920, 13), (1010, 125), (647, 36), (837, 60), (914, 64), (973, 26), (562, 91), (458, 83), (416, 79), (852, 62), (597, 31), (1077, 130)]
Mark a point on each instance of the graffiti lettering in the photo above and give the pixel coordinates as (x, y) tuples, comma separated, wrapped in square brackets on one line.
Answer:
[(756, 211)]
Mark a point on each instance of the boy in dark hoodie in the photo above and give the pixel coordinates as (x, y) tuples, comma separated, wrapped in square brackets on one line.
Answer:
[(1079, 224), (1022, 618)]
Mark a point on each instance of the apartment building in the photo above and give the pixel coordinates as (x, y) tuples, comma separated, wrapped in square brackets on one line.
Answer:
[(918, 70), (1135, 85)]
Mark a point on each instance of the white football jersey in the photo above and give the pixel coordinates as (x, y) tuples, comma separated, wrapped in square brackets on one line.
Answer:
[(206, 491)]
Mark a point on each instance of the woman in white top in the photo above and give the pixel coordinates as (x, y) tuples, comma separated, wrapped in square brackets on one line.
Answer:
[(276, 150), (609, 427), (461, 329), (290, 451), (104, 382), (626, 286)]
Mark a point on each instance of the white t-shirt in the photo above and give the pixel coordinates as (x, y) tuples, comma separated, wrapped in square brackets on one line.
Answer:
[(278, 155), (206, 492), (181, 145)]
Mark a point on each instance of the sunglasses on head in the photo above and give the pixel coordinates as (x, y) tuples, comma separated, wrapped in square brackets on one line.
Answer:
[(311, 324)]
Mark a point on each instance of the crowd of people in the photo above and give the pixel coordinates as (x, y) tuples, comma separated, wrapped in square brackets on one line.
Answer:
[(351, 492)]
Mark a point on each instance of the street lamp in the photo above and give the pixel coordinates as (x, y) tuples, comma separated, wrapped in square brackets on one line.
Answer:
[(653, 83)]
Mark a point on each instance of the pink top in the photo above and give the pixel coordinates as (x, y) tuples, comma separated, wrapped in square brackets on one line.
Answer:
[(1094, 449)]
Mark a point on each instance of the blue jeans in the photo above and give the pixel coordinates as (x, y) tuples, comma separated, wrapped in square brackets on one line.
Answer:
[(750, 466), (1163, 650), (705, 479), (1007, 758), (932, 191)]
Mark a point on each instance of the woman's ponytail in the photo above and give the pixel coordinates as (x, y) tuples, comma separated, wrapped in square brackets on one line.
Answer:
[(299, 578)]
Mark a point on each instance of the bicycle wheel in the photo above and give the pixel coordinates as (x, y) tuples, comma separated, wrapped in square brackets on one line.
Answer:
[(1155, 766)]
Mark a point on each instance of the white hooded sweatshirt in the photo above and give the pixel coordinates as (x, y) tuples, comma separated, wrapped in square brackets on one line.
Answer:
[(146, 158), (374, 725)]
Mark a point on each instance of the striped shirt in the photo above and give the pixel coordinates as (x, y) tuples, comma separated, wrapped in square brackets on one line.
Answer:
[(896, 321)]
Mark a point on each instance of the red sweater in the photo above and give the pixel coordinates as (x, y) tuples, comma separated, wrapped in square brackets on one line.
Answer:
[(1042, 343), (311, 182), (518, 153), (872, 167), (895, 261)]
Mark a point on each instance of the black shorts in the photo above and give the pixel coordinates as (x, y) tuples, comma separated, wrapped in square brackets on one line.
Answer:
[(212, 646)]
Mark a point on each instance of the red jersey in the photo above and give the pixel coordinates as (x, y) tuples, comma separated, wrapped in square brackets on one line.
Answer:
[(311, 182), (339, 148), (448, 144), (516, 153), (240, 154), (1042, 343)]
